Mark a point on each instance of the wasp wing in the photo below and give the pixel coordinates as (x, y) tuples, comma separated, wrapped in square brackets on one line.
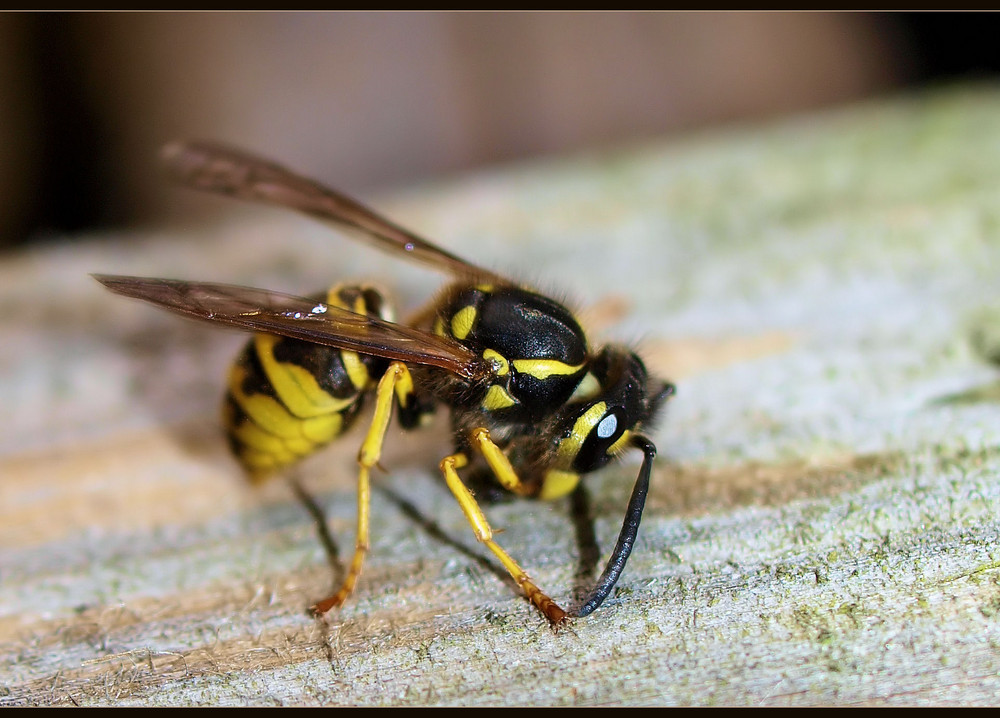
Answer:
[(225, 170), (262, 310)]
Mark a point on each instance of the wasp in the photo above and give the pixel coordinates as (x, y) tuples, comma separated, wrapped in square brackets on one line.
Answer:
[(533, 407)]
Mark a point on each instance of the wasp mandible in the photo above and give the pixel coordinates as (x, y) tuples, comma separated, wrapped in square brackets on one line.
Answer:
[(532, 405)]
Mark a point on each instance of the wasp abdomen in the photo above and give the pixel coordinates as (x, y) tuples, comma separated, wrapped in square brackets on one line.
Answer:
[(288, 398)]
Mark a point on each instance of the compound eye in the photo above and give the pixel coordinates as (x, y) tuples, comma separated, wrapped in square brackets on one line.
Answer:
[(596, 431), (607, 427)]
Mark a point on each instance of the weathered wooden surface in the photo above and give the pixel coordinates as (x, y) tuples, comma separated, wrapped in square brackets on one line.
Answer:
[(823, 523)]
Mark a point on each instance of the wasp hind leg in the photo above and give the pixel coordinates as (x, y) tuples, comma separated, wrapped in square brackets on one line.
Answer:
[(396, 381), (505, 473)]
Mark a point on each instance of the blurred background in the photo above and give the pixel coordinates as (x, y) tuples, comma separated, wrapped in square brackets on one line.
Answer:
[(374, 100)]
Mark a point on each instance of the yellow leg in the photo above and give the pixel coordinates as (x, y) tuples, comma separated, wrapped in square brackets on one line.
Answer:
[(498, 462), (368, 456), (481, 527)]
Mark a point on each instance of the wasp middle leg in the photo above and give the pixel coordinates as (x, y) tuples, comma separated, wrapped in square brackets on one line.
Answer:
[(396, 382)]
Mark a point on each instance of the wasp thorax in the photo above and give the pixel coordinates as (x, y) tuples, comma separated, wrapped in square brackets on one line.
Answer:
[(536, 347)]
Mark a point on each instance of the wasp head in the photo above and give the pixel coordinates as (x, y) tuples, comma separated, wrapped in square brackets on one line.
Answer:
[(619, 397)]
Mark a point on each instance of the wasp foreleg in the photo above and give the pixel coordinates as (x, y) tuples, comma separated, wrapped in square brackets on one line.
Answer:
[(481, 527)]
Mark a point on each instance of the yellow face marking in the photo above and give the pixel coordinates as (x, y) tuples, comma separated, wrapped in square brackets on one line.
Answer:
[(359, 306), (570, 446), (557, 484), (619, 445), (497, 398), (501, 367), (485, 288), (298, 389), (356, 371), (439, 326), (462, 322), (544, 368)]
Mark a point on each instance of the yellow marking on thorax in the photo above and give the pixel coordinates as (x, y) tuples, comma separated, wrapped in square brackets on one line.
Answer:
[(295, 386), (497, 398), (570, 446), (462, 322), (501, 366), (586, 389), (557, 484), (544, 368)]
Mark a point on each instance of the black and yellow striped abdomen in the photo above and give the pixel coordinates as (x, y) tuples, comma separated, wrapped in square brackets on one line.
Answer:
[(288, 398)]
